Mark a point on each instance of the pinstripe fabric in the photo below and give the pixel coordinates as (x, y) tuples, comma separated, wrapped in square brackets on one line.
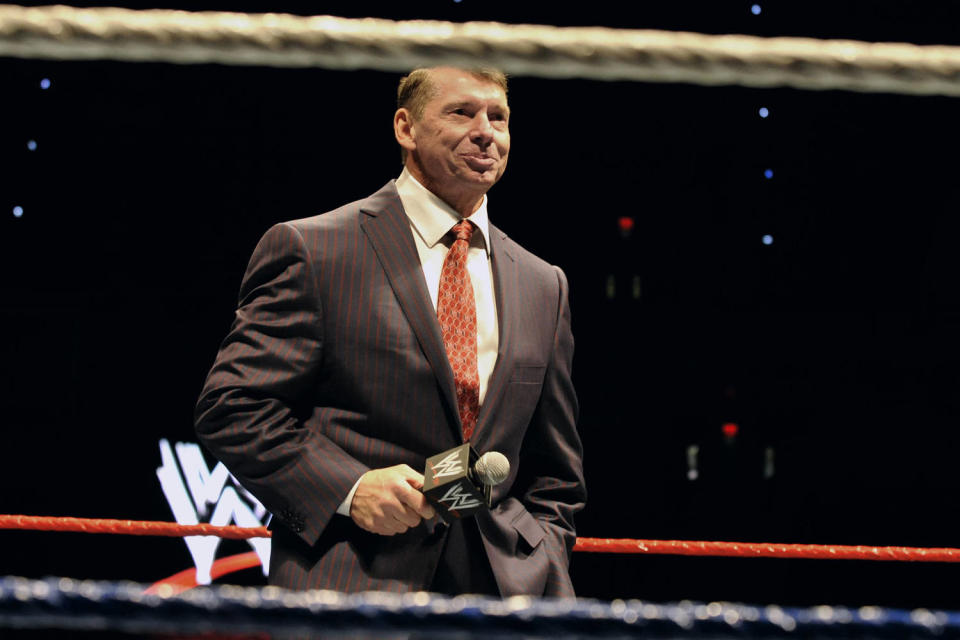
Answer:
[(335, 364)]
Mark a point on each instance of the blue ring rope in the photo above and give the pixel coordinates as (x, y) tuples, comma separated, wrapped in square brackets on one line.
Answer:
[(64, 603)]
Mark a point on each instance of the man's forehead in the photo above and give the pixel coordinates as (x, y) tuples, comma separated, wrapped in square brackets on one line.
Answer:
[(453, 84)]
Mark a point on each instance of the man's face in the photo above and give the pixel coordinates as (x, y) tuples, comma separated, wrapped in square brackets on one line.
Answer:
[(462, 139)]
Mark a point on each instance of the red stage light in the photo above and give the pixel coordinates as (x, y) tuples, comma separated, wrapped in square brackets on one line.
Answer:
[(730, 429)]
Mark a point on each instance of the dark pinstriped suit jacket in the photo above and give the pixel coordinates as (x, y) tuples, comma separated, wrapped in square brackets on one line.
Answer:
[(335, 365)]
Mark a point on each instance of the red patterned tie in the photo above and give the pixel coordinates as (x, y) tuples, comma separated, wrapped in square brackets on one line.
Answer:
[(457, 313)]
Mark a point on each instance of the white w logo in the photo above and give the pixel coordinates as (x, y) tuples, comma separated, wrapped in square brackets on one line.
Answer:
[(449, 466), (459, 499), (208, 488)]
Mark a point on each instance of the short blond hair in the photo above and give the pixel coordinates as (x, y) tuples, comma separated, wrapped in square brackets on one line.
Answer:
[(417, 88)]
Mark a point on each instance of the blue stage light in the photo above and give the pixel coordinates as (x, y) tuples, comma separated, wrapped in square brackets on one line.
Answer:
[(764, 112), (45, 83), (768, 173), (755, 9), (32, 145), (768, 239), (18, 212)]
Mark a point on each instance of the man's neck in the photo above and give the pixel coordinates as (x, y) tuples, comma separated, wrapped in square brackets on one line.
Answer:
[(463, 202)]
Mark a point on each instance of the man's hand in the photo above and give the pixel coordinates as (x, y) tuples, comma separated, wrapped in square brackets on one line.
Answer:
[(388, 501)]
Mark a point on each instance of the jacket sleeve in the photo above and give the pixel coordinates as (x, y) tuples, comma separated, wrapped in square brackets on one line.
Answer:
[(251, 411), (551, 471)]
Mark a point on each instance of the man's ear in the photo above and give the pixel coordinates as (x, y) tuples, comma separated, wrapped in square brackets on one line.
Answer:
[(403, 129)]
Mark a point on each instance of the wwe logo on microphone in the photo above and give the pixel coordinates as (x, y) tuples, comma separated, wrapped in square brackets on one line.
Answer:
[(196, 492), (451, 465), (458, 499), (448, 484)]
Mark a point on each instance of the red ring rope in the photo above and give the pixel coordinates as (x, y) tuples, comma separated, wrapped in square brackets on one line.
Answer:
[(588, 545), (129, 527), (766, 550)]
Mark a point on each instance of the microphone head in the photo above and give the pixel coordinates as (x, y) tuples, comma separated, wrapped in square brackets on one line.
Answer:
[(492, 468)]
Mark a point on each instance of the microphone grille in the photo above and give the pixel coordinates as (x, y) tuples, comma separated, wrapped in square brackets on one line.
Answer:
[(492, 468)]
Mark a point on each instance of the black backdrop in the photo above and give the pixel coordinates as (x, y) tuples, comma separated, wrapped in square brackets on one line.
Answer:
[(835, 346)]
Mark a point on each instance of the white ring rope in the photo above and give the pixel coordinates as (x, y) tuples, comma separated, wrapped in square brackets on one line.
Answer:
[(524, 50)]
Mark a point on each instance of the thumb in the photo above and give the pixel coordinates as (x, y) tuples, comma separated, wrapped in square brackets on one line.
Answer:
[(415, 481), (417, 501), (413, 478)]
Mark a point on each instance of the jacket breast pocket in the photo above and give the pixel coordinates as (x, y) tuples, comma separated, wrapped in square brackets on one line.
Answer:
[(528, 374), (523, 392)]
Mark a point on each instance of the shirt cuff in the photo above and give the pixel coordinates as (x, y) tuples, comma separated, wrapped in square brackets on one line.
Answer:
[(344, 508)]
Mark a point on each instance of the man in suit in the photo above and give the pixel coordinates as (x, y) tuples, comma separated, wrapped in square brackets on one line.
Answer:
[(371, 337)]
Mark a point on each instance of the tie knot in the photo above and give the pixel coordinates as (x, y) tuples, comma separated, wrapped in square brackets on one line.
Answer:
[(463, 230)]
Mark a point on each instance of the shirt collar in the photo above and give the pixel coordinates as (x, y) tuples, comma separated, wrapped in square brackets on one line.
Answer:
[(431, 217)]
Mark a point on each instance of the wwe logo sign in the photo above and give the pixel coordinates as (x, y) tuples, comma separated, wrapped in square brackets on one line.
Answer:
[(195, 492), (449, 486), (458, 499), (449, 466)]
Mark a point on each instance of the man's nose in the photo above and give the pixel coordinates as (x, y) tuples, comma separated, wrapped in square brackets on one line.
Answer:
[(482, 132)]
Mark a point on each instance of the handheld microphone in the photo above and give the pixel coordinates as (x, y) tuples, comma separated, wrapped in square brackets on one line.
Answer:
[(457, 482), (490, 469)]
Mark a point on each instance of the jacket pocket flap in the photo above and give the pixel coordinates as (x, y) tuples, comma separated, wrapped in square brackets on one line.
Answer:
[(528, 528)]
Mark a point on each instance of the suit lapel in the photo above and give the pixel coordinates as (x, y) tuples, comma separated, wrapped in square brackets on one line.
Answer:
[(507, 291), (386, 225)]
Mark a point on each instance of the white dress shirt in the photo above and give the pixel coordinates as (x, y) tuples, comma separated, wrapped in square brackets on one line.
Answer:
[(430, 220)]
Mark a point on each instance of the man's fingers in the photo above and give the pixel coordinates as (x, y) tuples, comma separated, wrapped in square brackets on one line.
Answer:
[(414, 498), (425, 510), (388, 501), (391, 527), (414, 479), (383, 524), (419, 504), (407, 517), (398, 521)]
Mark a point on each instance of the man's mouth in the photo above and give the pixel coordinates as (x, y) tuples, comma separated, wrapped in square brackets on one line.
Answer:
[(479, 162)]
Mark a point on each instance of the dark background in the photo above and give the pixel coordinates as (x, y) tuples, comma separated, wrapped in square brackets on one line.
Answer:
[(835, 347)]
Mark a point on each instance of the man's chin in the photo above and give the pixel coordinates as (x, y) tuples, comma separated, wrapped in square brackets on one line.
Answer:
[(484, 179)]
